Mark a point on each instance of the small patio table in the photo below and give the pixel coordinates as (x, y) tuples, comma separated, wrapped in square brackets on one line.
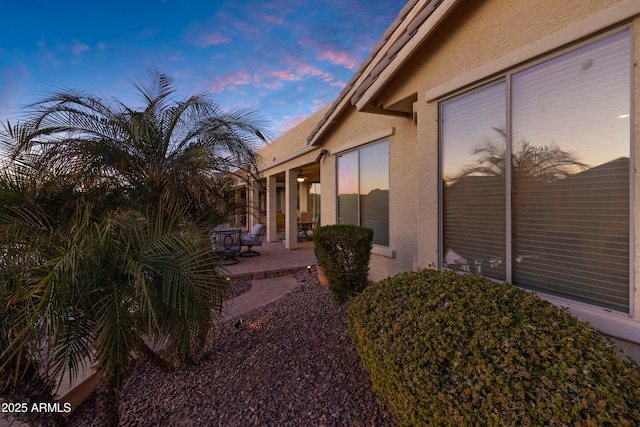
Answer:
[(226, 243)]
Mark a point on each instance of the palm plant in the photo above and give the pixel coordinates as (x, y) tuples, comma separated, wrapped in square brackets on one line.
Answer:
[(180, 151), (104, 219)]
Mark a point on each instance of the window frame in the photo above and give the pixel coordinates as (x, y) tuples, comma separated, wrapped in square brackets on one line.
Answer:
[(506, 77), (357, 149)]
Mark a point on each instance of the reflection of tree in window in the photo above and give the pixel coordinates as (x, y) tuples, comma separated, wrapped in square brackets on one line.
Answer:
[(476, 196), (546, 163), (564, 224)]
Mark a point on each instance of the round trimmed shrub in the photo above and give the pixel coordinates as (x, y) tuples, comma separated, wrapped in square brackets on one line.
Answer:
[(344, 252), (450, 349)]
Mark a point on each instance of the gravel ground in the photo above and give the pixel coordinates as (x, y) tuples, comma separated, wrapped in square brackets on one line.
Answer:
[(288, 364)]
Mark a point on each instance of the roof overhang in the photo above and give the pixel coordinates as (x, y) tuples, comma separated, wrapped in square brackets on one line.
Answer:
[(289, 157), (417, 32), (397, 28)]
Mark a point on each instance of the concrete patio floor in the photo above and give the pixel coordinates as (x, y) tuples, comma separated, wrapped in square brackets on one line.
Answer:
[(274, 260), (270, 274)]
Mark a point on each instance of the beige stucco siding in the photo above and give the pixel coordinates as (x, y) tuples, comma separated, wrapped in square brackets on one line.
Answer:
[(636, 153), (428, 182), (478, 33), (475, 44), (482, 41)]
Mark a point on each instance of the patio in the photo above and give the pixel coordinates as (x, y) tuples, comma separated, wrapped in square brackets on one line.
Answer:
[(274, 260)]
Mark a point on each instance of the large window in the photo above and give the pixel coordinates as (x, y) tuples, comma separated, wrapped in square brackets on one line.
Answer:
[(363, 189), (555, 218), (475, 184)]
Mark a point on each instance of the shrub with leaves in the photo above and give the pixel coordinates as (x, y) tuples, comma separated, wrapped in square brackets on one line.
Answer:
[(450, 349), (344, 252)]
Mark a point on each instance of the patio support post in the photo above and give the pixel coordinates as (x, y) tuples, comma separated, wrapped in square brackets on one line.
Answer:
[(252, 211), (272, 227), (304, 193), (291, 218)]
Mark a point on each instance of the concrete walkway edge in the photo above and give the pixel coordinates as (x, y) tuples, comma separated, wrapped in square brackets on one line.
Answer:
[(262, 292)]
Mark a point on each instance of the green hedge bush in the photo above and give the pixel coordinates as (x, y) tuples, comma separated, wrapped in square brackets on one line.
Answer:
[(450, 349), (344, 252)]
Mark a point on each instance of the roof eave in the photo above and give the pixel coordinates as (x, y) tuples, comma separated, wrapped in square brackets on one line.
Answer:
[(343, 100), (420, 29)]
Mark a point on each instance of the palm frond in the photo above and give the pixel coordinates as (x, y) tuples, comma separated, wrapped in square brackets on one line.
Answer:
[(104, 213)]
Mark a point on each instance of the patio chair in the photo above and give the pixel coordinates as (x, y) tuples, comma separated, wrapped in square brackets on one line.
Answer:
[(279, 221), (226, 244), (253, 239)]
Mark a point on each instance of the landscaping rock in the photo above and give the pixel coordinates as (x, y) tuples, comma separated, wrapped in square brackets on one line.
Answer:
[(288, 364)]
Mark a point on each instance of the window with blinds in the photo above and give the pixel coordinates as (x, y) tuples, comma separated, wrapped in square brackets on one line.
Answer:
[(568, 139), (474, 181), (363, 189)]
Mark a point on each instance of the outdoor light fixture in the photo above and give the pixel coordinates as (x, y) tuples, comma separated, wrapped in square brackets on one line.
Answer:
[(301, 177)]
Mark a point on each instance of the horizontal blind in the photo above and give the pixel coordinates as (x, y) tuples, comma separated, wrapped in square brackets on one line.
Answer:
[(474, 183), (374, 190), (570, 182)]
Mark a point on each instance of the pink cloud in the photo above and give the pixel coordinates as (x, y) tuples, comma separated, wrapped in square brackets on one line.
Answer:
[(78, 47), (46, 54), (273, 20), (273, 85), (339, 58), (289, 122), (211, 39), (296, 71), (231, 81), (285, 75), (240, 25), (304, 68), (261, 76), (326, 52)]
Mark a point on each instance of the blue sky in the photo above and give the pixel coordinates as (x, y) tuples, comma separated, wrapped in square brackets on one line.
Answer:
[(282, 58)]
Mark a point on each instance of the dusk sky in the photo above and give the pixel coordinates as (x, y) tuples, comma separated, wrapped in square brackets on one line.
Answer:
[(283, 58)]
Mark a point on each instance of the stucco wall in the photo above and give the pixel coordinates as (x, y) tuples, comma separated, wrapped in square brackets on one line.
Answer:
[(479, 32), (474, 35), (636, 161), (357, 129), (479, 42)]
